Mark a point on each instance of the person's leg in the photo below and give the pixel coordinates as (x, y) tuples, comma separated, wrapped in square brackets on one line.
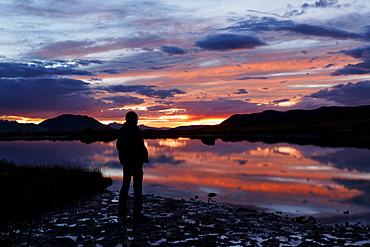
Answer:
[(123, 194), (138, 190)]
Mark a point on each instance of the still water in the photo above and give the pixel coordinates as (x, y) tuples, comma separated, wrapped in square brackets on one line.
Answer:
[(282, 177)]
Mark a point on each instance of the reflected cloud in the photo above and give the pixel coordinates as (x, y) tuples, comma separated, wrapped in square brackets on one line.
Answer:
[(173, 143), (163, 159), (352, 159), (278, 176), (362, 185), (289, 151)]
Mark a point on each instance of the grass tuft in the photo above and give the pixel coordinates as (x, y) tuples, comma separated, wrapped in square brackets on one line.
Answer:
[(27, 190)]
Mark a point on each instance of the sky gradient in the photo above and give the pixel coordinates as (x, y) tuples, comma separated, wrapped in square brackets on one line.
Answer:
[(180, 62)]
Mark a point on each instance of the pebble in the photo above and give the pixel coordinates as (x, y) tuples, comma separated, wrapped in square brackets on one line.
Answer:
[(171, 222)]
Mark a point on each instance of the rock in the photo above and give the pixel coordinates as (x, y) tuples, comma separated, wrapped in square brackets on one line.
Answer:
[(212, 194), (177, 223)]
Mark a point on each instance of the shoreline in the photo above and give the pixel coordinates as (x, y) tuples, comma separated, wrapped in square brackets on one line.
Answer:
[(209, 139), (174, 222)]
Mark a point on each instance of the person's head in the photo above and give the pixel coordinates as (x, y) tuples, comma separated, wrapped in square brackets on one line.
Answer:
[(131, 117)]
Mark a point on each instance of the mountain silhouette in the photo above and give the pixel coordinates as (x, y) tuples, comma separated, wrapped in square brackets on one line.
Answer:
[(69, 122), (117, 126), (14, 126), (340, 121), (332, 113), (324, 121)]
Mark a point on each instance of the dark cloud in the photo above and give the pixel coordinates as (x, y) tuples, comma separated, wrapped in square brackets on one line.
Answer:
[(354, 69), (321, 4), (159, 67), (259, 24), (229, 42), (163, 94), (241, 91), (351, 94), (312, 59), (123, 100), (242, 162), (34, 69), (173, 50), (362, 53), (318, 4), (147, 49), (109, 71), (324, 31), (45, 97), (280, 100), (251, 78), (127, 88), (329, 65), (148, 91)]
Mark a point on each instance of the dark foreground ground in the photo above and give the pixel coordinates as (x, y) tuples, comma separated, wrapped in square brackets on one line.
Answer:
[(177, 223)]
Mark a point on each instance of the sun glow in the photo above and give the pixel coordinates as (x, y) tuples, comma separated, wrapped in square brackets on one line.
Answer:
[(207, 121), (22, 119)]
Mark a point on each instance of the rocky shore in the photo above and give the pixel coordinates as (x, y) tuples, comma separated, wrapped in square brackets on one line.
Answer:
[(171, 222)]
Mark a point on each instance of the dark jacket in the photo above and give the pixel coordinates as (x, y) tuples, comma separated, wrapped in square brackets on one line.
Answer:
[(130, 145)]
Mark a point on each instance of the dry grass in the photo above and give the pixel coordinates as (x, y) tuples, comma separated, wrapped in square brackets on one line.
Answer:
[(26, 190)]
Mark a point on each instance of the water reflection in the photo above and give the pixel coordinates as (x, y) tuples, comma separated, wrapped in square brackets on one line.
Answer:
[(279, 177)]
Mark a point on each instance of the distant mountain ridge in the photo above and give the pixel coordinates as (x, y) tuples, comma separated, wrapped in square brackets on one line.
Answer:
[(291, 114), (327, 112), (69, 122), (13, 126), (115, 125), (334, 120), (65, 122)]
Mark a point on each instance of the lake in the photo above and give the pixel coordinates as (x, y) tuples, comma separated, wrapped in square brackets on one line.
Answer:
[(322, 182)]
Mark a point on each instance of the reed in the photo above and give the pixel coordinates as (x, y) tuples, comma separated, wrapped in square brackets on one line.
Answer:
[(27, 190)]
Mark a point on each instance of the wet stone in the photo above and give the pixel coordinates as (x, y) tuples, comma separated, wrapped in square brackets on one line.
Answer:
[(171, 222)]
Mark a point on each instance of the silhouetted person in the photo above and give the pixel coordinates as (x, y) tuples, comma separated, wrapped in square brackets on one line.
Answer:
[(132, 154)]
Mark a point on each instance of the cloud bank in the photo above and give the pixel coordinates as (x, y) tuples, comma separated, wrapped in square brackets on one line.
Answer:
[(351, 94), (362, 53), (148, 91), (223, 42), (46, 97)]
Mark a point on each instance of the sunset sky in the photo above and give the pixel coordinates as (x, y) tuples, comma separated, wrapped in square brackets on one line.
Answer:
[(180, 62)]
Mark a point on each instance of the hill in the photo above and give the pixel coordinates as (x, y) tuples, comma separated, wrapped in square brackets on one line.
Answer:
[(69, 122), (117, 126), (190, 127), (337, 121), (344, 126), (14, 126)]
